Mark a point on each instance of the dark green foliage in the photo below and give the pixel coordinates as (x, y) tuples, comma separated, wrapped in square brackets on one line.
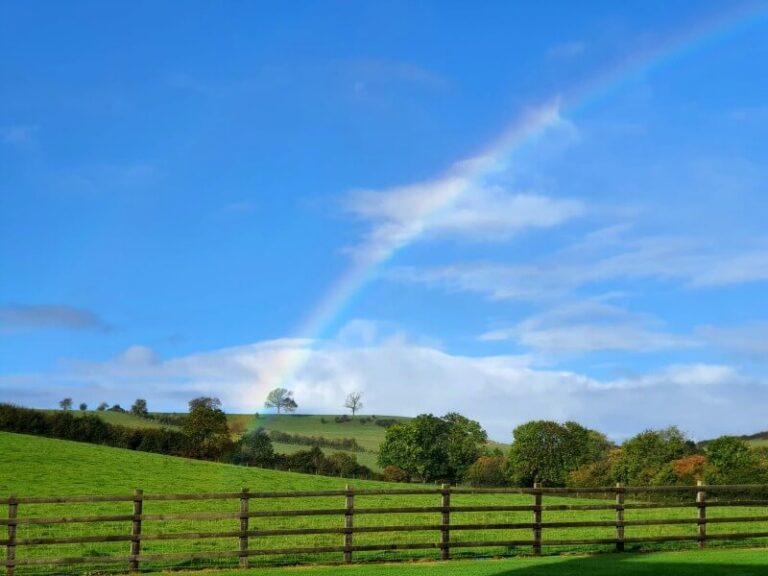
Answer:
[(117, 408), (732, 461), (384, 422), (432, 448), (65, 404), (103, 406), (207, 429), (545, 451), (254, 449), (313, 461), (90, 428), (139, 408), (642, 456), (349, 444)]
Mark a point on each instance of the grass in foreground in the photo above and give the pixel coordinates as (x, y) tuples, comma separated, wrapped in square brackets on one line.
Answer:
[(690, 563)]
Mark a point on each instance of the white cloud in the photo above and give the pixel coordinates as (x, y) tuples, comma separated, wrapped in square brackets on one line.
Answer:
[(466, 202), (589, 326), (401, 378), (606, 255)]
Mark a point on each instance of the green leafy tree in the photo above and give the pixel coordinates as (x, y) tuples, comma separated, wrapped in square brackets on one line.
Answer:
[(139, 408), (66, 404), (282, 400), (731, 461), (432, 448), (254, 449), (206, 429), (83, 406), (102, 407), (547, 452), (642, 457)]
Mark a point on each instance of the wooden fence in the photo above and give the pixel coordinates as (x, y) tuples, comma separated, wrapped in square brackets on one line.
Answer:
[(134, 558)]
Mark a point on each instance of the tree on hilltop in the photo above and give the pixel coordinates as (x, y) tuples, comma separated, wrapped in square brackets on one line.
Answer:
[(66, 404), (354, 402), (281, 399)]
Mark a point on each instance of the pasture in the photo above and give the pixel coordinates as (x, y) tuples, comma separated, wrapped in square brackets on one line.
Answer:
[(34, 466)]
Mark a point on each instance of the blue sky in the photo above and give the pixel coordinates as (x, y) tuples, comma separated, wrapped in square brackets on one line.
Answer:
[(512, 210)]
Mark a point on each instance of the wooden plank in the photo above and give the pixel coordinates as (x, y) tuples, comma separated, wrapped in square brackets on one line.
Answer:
[(243, 537), (71, 519), (701, 505), (619, 518), (136, 530), (537, 504), (445, 532), (10, 547), (349, 511)]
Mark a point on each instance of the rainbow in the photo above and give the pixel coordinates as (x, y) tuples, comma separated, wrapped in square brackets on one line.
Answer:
[(461, 178)]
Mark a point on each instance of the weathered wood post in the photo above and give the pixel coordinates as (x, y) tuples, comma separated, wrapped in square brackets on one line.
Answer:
[(445, 531), (138, 501), (537, 498), (701, 504), (10, 550), (244, 499), (619, 517), (349, 512)]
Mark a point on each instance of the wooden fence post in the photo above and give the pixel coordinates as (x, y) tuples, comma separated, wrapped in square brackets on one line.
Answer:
[(244, 499), (349, 511), (701, 504), (138, 500), (445, 531), (10, 555), (537, 498), (619, 517)]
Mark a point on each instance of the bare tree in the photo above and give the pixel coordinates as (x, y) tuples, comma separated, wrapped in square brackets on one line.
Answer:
[(66, 404), (353, 402)]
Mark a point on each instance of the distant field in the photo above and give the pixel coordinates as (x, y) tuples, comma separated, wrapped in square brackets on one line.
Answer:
[(41, 466)]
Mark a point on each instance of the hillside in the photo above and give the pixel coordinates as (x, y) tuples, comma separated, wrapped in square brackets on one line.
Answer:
[(42, 466)]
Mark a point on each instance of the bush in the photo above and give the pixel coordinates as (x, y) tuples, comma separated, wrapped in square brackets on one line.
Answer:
[(487, 471), (395, 474), (349, 444), (343, 419)]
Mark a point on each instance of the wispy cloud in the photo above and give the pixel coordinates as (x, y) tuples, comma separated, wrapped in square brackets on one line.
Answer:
[(566, 50), (468, 202), (14, 317), (612, 254), (590, 326), (20, 135)]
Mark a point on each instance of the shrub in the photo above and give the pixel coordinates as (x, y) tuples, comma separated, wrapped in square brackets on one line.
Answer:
[(487, 471), (394, 474)]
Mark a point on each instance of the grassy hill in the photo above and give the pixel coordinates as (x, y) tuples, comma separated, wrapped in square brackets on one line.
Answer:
[(41, 466)]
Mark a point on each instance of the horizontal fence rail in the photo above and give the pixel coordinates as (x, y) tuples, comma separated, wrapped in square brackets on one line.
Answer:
[(242, 532)]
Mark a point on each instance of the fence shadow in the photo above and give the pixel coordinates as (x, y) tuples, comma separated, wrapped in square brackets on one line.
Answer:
[(649, 564)]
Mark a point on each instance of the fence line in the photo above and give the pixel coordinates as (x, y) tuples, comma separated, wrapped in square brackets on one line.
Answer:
[(348, 529)]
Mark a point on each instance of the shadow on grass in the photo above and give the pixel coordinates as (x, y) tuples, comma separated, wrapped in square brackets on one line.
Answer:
[(750, 563)]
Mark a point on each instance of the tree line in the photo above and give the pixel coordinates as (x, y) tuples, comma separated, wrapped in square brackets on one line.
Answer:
[(454, 449)]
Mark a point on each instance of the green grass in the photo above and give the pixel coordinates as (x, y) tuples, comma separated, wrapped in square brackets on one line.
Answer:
[(690, 563), (39, 466)]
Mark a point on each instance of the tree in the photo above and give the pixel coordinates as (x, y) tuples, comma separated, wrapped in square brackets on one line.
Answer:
[(254, 449), (281, 399), (83, 406), (139, 408), (732, 461), (487, 471), (546, 451), (65, 404), (432, 448), (206, 429), (354, 402), (103, 406), (642, 457)]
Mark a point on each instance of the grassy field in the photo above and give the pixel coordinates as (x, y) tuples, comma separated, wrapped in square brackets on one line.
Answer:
[(39, 466), (696, 563)]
